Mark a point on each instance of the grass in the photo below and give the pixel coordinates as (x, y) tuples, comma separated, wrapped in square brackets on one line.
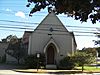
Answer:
[(90, 68)]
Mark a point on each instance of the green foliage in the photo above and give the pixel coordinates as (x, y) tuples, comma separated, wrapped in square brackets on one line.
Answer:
[(98, 49), (97, 42), (91, 50), (97, 34), (83, 58), (67, 63), (14, 48), (32, 61), (4, 59), (4, 40), (80, 9), (79, 58)]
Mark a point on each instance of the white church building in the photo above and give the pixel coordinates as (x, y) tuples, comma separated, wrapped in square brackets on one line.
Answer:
[(53, 39)]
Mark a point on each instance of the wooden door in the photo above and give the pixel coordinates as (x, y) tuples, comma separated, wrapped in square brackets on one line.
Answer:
[(50, 55)]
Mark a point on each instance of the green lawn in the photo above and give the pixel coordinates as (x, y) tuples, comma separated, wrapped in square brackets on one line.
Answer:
[(90, 68)]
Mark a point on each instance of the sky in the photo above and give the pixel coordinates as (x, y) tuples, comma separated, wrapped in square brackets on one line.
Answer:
[(14, 20)]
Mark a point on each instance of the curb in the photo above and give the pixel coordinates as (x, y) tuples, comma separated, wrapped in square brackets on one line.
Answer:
[(55, 71)]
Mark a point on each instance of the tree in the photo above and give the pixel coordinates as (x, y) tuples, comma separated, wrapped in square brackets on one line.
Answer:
[(83, 58), (14, 48), (4, 40), (91, 50), (8, 38), (80, 9), (98, 49), (97, 42)]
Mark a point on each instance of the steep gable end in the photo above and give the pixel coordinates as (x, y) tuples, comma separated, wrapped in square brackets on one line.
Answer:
[(51, 21)]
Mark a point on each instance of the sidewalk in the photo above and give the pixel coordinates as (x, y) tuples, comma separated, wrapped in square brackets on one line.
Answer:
[(53, 71), (48, 71), (9, 66), (9, 72)]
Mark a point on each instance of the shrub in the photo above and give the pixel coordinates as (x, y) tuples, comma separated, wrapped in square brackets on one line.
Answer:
[(4, 59), (32, 61), (67, 63)]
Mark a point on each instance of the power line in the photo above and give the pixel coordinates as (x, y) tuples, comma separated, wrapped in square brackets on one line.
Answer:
[(72, 27), (75, 27), (84, 32), (75, 31), (80, 26), (91, 35), (81, 29), (46, 33), (10, 30), (55, 33), (65, 34), (44, 24), (24, 25), (28, 26), (44, 29), (16, 27), (65, 31), (18, 22)]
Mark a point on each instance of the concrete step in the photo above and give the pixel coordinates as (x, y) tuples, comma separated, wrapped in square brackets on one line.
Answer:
[(51, 67)]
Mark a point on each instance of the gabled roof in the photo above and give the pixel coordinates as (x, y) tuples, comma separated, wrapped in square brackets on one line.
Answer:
[(51, 19)]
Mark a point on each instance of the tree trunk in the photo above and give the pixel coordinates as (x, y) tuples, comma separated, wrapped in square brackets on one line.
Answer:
[(82, 67)]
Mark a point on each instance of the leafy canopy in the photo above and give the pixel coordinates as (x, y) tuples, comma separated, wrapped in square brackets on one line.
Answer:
[(79, 9)]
